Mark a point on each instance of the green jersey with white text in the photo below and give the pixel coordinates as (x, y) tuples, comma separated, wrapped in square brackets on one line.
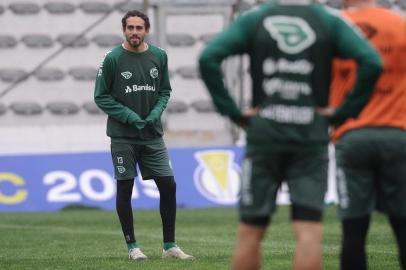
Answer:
[(131, 86), (291, 49)]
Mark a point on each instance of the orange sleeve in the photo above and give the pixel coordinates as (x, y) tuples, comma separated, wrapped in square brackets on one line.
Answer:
[(343, 79), (386, 30)]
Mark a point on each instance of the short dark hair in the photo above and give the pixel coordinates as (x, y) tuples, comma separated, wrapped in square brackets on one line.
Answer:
[(135, 13)]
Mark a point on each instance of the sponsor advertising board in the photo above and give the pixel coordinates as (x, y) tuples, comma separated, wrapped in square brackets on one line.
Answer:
[(206, 177)]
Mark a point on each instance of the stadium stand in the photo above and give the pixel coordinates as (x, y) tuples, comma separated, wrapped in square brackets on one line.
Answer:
[(203, 106), (51, 50), (207, 37), (95, 7), (73, 40), (7, 41), (176, 106), (12, 74), (43, 30), (124, 6), (386, 3), (107, 40), (180, 40), (188, 72), (49, 74), (27, 108), (59, 7), (401, 4), (24, 8), (62, 107), (82, 73), (91, 108), (37, 40), (3, 109)]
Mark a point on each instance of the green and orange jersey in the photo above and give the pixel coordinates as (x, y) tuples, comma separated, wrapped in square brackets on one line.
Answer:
[(386, 30)]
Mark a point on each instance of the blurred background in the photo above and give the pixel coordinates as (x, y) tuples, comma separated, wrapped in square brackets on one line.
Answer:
[(52, 133), (53, 146), (51, 49)]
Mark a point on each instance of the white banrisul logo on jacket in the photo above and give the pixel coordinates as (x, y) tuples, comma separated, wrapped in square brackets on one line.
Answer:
[(135, 88), (126, 74)]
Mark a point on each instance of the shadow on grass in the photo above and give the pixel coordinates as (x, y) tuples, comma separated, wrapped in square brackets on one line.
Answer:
[(76, 207)]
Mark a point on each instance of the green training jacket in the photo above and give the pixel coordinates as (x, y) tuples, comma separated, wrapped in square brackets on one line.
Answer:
[(291, 49), (131, 87)]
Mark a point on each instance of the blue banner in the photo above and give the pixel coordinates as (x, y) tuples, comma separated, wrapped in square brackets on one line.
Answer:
[(206, 177)]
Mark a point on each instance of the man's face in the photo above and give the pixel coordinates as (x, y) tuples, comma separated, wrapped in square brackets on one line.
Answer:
[(135, 31)]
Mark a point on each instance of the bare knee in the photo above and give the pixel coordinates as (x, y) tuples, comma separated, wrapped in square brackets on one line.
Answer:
[(251, 232)]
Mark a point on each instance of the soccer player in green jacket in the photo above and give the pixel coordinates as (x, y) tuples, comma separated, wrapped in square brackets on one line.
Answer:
[(291, 45), (133, 89)]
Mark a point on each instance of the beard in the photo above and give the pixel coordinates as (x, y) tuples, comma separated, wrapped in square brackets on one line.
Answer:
[(135, 42)]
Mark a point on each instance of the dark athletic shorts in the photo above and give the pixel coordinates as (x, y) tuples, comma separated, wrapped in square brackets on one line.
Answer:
[(152, 160), (263, 172), (371, 172)]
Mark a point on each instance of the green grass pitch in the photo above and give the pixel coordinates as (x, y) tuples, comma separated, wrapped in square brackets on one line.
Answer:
[(91, 239)]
